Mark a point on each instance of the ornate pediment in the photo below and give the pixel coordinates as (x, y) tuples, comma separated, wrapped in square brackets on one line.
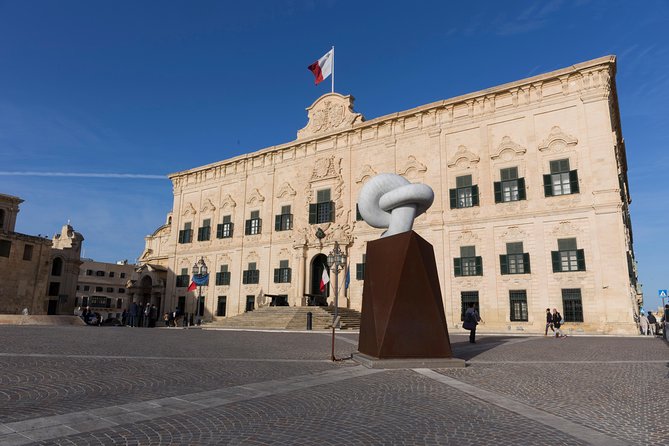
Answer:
[(255, 197), (467, 238), (365, 174), (189, 209), (463, 158), (208, 206), (330, 112), (228, 202), (412, 166), (557, 141), (508, 150), (513, 233), (286, 190)]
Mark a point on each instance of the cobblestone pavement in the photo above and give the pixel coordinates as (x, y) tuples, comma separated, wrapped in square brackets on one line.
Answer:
[(124, 386)]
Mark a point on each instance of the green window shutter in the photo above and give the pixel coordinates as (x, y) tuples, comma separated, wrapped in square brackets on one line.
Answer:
[(521, 189), (557, 265), (526, 262), (479, 265), (580, 259), (313, 213), (453, 193), (359, 271), (573, 181), (219, 231), (247, 227), (245, 277), (503, 264), (277, 275), (331, 217), (290, 273), (548, 187), (475, 195), (260, 226), (498, 191), (457, 270), (277, 222)]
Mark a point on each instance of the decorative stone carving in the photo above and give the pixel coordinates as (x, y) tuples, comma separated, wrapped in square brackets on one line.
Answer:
[(207, 206), (325, 168), (366, 173), (513, 233), (412, 165), (467, 238), (189, 209), (557, 141), (227, 201), (565, 229), (463, 158), (330, 112), (507, 150), (255, 197), (286, 190)]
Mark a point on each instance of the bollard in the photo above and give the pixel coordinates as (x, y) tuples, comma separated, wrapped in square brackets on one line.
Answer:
[(310, 317)]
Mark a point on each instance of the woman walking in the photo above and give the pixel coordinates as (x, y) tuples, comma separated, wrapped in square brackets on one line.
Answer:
[(470, 322)]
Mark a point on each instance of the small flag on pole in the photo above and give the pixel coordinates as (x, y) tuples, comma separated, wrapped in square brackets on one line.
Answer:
[(322, 68), (192, 286), (348, 277), (324, 280)]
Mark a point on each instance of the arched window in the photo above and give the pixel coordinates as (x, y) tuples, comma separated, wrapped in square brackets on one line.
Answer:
[(57, 267)]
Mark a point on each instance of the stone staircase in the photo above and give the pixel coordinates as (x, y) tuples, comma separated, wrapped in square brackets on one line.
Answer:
[(290, 318)]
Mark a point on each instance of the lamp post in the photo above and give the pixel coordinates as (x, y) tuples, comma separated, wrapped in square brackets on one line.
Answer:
[(336, 261), (200, 274)]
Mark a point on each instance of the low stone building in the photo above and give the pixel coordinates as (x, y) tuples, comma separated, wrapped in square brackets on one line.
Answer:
[(531, 207), (102, 287)]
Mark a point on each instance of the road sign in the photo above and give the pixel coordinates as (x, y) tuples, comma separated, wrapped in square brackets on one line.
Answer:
[(662, 293)]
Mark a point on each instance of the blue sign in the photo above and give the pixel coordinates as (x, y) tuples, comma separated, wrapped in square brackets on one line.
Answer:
[(662, 293)]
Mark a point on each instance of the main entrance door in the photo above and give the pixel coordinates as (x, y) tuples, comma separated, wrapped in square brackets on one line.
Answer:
[(318, 264)]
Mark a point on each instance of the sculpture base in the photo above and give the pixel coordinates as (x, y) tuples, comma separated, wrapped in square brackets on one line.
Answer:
[(408, 363), (402, 310)]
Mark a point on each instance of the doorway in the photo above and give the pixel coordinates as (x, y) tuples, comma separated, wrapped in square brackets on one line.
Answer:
[(318, 264)]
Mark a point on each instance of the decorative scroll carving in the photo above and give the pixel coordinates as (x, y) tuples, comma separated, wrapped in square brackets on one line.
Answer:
[(286, 189), (366, 173), (208, 206), (325, 168), (227, 201), (565, 229), (412, 165), (508, 149), (557, 141), (330, 112), (255, 197), (467, 238), (463, 158), (189, 209)]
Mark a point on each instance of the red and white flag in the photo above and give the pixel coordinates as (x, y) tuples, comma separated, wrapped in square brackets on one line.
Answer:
[(322, 68), (324, 280), (192, 286)]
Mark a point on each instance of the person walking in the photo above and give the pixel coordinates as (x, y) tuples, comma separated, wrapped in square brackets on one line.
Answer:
[(549, 321), (132, 315), (470, 322), (557, 323), (652, 324), (147, 315), (643, 323), (665, 323)]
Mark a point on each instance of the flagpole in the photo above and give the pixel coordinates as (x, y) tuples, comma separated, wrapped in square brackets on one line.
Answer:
[(333, 69)]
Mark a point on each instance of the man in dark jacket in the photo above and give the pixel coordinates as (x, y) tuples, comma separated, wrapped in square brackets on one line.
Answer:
[(549, 321)]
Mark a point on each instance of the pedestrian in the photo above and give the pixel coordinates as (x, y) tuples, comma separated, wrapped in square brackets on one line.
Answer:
[(557, 323), (124, 317), (170, 319), (132, 314), (153, 317), (643, 323), (549, 321), (147, 315), (166, 319), (665, 325), (652, 324), (470, 322)]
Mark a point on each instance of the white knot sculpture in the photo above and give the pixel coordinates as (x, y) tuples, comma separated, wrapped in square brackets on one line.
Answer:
[(390, 201)]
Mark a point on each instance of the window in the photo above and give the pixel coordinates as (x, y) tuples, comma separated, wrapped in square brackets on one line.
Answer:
[(561, 180), (220, 306), (282, 273), (111, 273), (89, 272), (84, 301), (186, 234), (283, 221), (515, 261), (122, 275), (2, 218), (323, 210), (572, 305), (54, 288), (250, 302), (204, 232), (57, 267), (98, 289), (110, 289), (183, 279), (28, 252), (467, 297), (511, 188), (360, 268), (465, 195), (223, 276), (181, 304), (251, 275), (119, 303), (518, 305), (254, 224), (5, 248), (567, 257), (100, 273), (121, 290), (468, 264), (87, 287), (224, 230)]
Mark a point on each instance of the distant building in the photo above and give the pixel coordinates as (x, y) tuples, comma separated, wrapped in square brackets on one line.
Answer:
[(531, 207), (102, 287), (65, 261)]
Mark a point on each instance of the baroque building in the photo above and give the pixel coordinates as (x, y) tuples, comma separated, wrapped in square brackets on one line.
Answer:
[(531, 207)]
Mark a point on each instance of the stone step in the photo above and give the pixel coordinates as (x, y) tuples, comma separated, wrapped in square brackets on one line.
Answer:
[(294, 318)]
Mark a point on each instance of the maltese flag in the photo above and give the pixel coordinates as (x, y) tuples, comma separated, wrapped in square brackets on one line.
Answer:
[(324, 280), (322, 68)]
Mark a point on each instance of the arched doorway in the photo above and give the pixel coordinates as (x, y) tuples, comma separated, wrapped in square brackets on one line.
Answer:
[(318, 264), (145, 290)]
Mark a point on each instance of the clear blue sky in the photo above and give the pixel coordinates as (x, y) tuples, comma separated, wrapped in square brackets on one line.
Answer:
[(154, 87)]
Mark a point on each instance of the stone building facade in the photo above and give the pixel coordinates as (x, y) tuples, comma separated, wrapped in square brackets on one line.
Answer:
[(64, 273), (531, 206), (101, 286)]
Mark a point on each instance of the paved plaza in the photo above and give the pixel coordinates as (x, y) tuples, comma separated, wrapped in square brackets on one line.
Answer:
[(126, 386)]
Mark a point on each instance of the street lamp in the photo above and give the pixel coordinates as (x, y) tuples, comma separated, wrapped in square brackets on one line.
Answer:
[(336, 262), (200, 276)]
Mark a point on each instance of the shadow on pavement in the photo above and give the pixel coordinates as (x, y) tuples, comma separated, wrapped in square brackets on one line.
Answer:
[(464, 350)]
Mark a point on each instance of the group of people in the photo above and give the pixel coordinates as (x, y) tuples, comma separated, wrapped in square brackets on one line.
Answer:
[(138, 315), (650, 326), (176, 319), (554, 321)]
